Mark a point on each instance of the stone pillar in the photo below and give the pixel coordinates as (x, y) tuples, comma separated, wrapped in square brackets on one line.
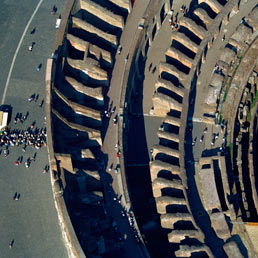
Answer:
[(225, 19), (166, 7), (203, 58), (209, 45), (234, 11), (158, 23), (216, 33)]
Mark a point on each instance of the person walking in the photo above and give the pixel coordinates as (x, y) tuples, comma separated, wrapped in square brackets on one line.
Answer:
[(16, 197), (41, 103), (31, 98), (39, 67), (11, 244)]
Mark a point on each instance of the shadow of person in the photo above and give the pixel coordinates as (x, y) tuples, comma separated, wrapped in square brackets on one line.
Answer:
[(33, 30)]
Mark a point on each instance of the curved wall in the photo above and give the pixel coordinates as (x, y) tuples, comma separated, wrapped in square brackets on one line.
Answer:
[(57, 177)]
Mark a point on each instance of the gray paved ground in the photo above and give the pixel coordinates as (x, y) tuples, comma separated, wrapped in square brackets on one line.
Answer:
[(32, 221)]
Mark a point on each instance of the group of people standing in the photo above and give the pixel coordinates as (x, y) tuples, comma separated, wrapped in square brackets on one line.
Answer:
[(173, 23)]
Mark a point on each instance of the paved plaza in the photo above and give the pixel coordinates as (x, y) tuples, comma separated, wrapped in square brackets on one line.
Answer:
[(31, 222)]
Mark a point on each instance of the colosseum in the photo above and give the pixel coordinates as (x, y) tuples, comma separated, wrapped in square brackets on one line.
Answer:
[(151, 113)]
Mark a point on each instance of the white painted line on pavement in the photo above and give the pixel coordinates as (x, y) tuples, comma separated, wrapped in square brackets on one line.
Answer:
[(17, 50)]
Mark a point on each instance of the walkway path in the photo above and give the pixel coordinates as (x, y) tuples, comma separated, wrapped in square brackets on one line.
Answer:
[(111, 135)]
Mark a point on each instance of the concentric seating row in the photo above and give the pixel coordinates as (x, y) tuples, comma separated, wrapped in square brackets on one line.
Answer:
[(83, 67), (228, 63), (171, 89)]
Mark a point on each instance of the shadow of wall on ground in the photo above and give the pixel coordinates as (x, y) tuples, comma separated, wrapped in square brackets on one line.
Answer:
[(138, 175), (200, 215), (89, 213)]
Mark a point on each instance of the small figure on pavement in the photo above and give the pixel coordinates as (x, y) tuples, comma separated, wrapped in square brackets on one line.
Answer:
[(27, 164), (24, 117), (41, 103), (119, 49), (17, 162), (45, 170), (150, 66), (126, 59), (32, 125), (53, 10), (115, 120), (33, 30), (39, 67), (194, 141), (36, 98), (31, 98), (31, 46), (16, 197), (6, 152), (11, 244)]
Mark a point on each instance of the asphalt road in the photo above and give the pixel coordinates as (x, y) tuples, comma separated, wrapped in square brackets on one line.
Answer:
[(32, 221)]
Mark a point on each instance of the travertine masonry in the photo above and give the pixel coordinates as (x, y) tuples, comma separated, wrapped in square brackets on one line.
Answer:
[(102, 13), (112, 39)]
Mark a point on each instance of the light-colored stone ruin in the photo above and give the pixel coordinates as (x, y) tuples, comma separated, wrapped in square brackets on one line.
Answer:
[(95, 93), (225, 182), (102, 13), (240, 40), (104, 36), (81, 70)]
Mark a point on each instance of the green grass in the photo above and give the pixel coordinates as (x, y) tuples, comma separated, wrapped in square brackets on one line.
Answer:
[(254, 100), (220, 118), (252, 106), (248, 119), (225, 94)]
